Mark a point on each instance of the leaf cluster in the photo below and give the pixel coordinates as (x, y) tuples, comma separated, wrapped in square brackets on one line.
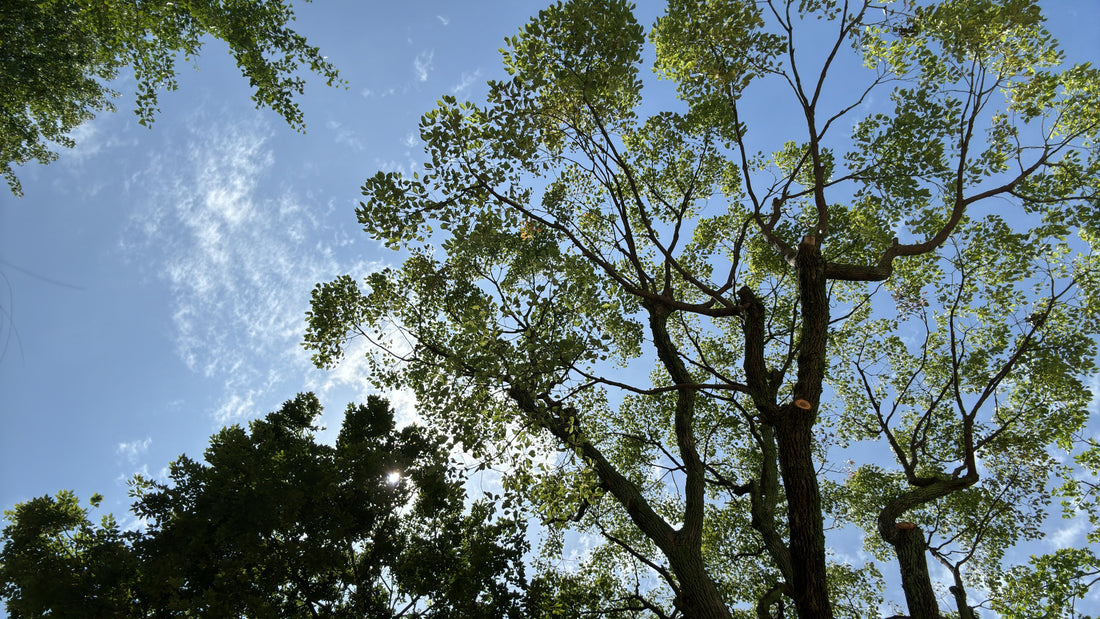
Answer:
[(57, 58), (274, 523)]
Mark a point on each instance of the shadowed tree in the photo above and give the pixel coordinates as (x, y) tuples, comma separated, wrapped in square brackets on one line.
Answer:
[(276, 524), (56, 562)]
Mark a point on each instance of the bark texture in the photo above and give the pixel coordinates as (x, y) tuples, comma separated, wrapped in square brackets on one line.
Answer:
[(793, 424), (912, 553)]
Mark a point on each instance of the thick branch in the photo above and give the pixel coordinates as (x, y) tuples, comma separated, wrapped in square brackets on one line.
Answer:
[(764, 495), (885, 266), (915, 497), (771, 596), (683, 421), (562, 424), (757, 377), (793, 425), (815, 322)]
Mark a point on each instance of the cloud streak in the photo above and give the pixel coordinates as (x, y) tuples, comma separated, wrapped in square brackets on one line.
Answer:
[(462, 88), (239, 256), (132, 450), (422, 64)]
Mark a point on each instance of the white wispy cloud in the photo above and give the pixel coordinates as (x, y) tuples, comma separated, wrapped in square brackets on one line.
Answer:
[(235, 407), (351, 374), (239, 255), (446, 21), (132, 450), (580, 551), (95, 140), (1070, 535), (94, 137), (89, 141), (345, 135), (461, 90), (392, 165), (422, 64), (368, 93)]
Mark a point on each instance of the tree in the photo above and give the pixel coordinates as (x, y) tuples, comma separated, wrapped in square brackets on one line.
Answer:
[(276, 524), (876, 310), (58, 55), (55, 561)]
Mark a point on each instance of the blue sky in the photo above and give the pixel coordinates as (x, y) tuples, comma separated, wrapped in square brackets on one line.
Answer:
[(157, 279)]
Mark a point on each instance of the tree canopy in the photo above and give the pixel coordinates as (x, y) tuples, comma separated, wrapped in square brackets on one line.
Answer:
[(57, 57), (276, 524), (843, 285)]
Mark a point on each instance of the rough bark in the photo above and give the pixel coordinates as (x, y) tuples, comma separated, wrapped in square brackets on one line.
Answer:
[(774, 596), (965, 612), (764, 495), (794, 437), (806, 522), (911, 550), (698, 595), (793, 426), (909, 543), (958, 590)]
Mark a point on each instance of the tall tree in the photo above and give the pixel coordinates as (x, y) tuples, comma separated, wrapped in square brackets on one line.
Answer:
[(277, 524), (870, 298), (57, 57), (54, 561)]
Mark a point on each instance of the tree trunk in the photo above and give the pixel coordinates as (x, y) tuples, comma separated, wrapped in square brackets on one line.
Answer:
[(699, 597), (794, 437), (909, 543), (807, 525), (959, 591), (912, 554), (793, 425)]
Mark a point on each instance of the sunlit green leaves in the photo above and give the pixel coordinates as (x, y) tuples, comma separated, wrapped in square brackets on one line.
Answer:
[(940, 40), (956, 221), (1048, 586), (714, 48), (903, 159), (577, 56), (54, 560), (59, 56)]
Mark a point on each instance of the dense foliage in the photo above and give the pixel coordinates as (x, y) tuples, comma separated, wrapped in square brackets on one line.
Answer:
[(855, 260), (57, 57), (275, 524)]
